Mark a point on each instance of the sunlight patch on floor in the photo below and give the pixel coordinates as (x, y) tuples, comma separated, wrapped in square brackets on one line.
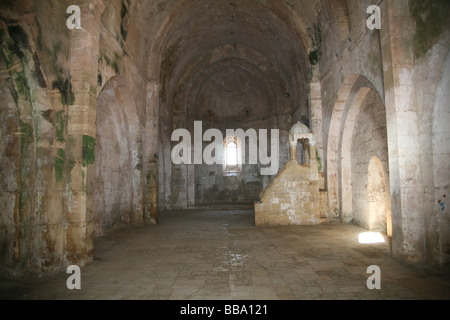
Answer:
[(370, 237)]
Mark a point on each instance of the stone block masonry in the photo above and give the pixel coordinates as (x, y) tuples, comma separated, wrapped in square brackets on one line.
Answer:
[(292, 198)]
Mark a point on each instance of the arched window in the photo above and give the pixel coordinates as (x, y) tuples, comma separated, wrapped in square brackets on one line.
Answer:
[(303, 151), (232, 155), (300, 152)]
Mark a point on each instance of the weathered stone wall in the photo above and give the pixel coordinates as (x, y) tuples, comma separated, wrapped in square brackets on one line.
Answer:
[(51, 77), (430, 47), (35, 94), (441, 171), (420, 43)]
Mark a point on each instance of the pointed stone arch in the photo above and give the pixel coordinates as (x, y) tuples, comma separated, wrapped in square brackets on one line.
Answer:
[(348, 91), (119, 197), (363, 188)]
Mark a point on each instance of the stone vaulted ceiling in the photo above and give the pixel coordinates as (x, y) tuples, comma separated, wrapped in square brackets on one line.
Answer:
[(185, 39)]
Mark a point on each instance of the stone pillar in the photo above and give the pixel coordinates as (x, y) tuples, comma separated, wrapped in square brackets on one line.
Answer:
[(191, 184), (151, 149), (151, 194), (312, 154), (293, 150), (180, 172), (316, 116), (403, 132), (79, 195)]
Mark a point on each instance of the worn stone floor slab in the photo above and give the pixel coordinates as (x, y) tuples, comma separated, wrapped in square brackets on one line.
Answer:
[(205, 255)]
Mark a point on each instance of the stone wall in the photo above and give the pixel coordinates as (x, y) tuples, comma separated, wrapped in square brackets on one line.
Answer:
[(50, 81), (35, 94), (292, 198)]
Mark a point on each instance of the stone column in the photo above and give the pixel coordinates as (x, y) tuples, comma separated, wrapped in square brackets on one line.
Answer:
[(312, 154), (151, 150), (293, 150), (403, 132), (79, 195), (316, 114)]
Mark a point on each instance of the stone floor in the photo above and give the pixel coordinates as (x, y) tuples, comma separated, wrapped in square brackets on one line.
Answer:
[(209, 255)]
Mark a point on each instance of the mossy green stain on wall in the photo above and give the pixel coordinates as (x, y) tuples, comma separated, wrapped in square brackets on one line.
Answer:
[(21, 83), (83, 182), (59, 165), (7, 59), (123, 26), (15, 47), (5, 52), (20, 40), (113, 63), (70, 164), (39, 37), (138, 165), (88, 152), (60, 124), (38, 73), (26, 136), (430, 16), (23, 89), (319, 160), (53, 54), (314, 57), (65, 88), (23, 201), (315, 33)]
